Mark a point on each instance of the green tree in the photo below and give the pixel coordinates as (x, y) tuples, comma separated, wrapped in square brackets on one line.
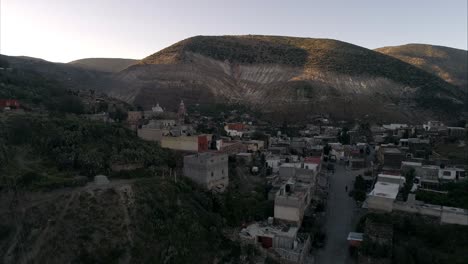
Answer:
[(118, 115), (344, 137)]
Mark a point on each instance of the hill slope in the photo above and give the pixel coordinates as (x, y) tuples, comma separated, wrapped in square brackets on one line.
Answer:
[(288, 74), (104, 64), (448, 63)]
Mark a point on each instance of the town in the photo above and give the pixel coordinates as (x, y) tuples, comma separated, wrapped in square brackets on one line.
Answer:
[(233, 132), (322, 179)]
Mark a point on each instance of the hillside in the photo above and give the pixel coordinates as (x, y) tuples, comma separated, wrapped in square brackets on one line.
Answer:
[(288, 75), (448, 63), (52, 211), (104, 64), (67, 75)]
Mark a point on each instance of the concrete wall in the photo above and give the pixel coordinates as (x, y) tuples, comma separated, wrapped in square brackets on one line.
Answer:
[(185, 143), (454, 216), (150, 134), (209, 172), (380, 203), (287, 213)]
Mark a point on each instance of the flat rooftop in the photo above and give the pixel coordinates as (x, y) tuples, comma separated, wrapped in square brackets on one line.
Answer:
[(385, 190), (263, 229), (391, 150), (355, 236)]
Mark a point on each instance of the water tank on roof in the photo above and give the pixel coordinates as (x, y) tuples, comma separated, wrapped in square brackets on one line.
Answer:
[(270, 220)]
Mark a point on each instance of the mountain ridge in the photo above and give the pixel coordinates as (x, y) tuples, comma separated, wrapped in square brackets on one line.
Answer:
[(450, 64), (104, 64), (290, 76)]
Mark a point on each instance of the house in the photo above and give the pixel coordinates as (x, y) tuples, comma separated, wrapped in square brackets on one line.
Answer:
[(291, 201), (385, 191), (457, 132), (235, 129), (231, 147), (419, 148), (391, 158), (9, 104), (134, 116), (395, 126), (451, 174), (274, 162), (210, 170), (315, 163), (255, 145), (301, 171), (286, 241), (433, 126)]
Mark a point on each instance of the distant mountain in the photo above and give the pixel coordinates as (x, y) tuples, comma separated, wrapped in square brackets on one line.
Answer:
[(448, 63), (289, 75), (104, 64)]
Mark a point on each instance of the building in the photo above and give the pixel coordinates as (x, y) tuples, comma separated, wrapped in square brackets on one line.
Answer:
[(181, 112), (291, 201), (9, 104), (157, 109), (255, 145), (457, 132), (451, 174), (197, 143), (273, 162), (391, 158), (286, 241), (302, 171), (235, 129), (134, 116), (433, 126), (151, 134), (210, 170), (385, 192)]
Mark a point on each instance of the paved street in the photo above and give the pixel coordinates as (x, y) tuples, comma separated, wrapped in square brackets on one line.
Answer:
[(340, 218)]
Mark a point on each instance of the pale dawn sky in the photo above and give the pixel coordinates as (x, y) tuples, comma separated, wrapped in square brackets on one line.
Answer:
[(66, 30)]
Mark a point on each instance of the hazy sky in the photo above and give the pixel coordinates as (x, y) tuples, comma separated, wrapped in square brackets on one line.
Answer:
[(65, 30)]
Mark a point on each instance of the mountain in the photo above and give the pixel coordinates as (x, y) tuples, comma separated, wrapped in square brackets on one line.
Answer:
[(290, 76), (284, 77), (104, 64), (68, 75), (448, 63)]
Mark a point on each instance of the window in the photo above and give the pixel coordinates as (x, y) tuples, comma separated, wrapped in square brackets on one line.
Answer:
[(222, 171), (212, 174), (447, 173)]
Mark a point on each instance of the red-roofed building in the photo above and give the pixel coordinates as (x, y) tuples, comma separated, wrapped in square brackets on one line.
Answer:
[(236, 126), (314, 160), (12, 103)]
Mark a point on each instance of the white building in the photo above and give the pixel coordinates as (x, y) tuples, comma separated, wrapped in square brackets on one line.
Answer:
[(385, 192), (451, 174), (433, 125), (273, 162)]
